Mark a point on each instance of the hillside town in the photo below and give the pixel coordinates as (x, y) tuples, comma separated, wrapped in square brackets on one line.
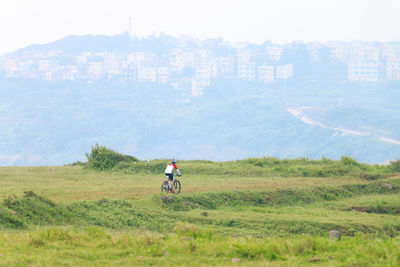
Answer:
[(193, 65)]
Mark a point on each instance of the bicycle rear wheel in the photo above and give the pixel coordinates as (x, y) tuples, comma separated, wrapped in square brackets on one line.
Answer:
[(164, 187), (177, 187)]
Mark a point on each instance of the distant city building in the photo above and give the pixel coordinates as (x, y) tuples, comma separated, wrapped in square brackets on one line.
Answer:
[(10, 64), (363, 71), (243, 56), (70, 73), (191, 65), (393, 68), (146, 73), (95, 70), (265, 73), (198, 86), (225, 65), (361, 53), (247, 71), (274, 52), (339, 50), (180, 59), (129, 73), (163, 75), (314, 51), (136, 58), (389, 51), (284, 72)]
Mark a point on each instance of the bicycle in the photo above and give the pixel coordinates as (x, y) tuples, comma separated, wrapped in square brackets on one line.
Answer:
[(166, 186)]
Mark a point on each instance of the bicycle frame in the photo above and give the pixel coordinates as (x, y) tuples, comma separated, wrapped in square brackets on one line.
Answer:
[(170, 183)]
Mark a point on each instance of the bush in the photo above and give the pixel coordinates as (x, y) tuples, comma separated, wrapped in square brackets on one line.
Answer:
[(32, 208), (9, 220), (349, 161), (395, 165), (102, 158)]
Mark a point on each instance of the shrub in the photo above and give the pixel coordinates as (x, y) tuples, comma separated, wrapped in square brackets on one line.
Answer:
[(38, 210), (348, 161), (102, 158), (395, 165), (10, 221)]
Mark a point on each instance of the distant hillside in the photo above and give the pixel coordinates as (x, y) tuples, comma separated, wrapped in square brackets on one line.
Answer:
[(47, 124), (101, 43)]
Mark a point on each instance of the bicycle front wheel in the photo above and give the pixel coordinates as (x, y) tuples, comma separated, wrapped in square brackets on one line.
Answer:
[(177, 186)]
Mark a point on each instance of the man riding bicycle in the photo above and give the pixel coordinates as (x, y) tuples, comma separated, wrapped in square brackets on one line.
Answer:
[(169, 173)]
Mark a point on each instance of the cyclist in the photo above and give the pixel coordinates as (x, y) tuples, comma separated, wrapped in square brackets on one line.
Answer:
[(169, 173)]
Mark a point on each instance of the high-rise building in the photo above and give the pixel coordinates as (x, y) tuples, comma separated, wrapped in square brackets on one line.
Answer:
[(393, 68), (284, 72), (265, 73), (363, 71)]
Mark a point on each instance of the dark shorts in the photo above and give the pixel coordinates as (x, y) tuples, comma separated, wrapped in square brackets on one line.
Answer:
[(170, 176)]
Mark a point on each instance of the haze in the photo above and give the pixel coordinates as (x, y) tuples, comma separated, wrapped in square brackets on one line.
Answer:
[(25, 22)]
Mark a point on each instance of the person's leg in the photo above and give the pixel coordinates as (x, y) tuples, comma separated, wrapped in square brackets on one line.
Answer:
[(171, 178)]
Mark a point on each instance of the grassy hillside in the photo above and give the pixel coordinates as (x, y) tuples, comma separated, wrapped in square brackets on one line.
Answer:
[(258, 211), (232, 120)]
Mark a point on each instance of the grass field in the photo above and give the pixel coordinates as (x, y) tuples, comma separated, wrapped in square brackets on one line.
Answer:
[(243, 213)]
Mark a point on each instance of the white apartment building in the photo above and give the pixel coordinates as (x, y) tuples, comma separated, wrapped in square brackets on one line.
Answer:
[(181, 59), (69, 73), (314, 50), (44, 64), (206, 71), (198, 86), (274, 52), (163, 74), (389, 51), (363, 71), (265, 73), (284, 72), (393, 68), (340, 52), (243, 56), (95, 70), (202, 56), (26, 69), (10, 64), (135, 57), (147, 73), (129, 72), (372, 53), (202, 77), (247, 71), (364, 53), (225, 65)]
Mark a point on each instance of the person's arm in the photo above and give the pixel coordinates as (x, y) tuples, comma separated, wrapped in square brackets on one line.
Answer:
[(177, 170)]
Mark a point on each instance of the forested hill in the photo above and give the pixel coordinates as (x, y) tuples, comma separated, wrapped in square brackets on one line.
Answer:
[(56, 123)]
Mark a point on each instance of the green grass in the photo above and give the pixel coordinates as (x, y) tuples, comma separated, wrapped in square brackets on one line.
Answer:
[(70, 183), (189, 246), (302, 167), (73, 215)]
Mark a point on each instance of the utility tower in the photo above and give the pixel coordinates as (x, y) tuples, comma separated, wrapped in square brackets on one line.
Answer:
[(130, 28)]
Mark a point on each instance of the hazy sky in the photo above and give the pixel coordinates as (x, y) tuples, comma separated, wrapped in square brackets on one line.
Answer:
[(23, 22)]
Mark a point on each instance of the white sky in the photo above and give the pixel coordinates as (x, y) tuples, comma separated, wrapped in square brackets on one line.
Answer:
[(24, 22)]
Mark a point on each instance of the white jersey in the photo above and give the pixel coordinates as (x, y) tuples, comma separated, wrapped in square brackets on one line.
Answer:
[(170, 168)]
